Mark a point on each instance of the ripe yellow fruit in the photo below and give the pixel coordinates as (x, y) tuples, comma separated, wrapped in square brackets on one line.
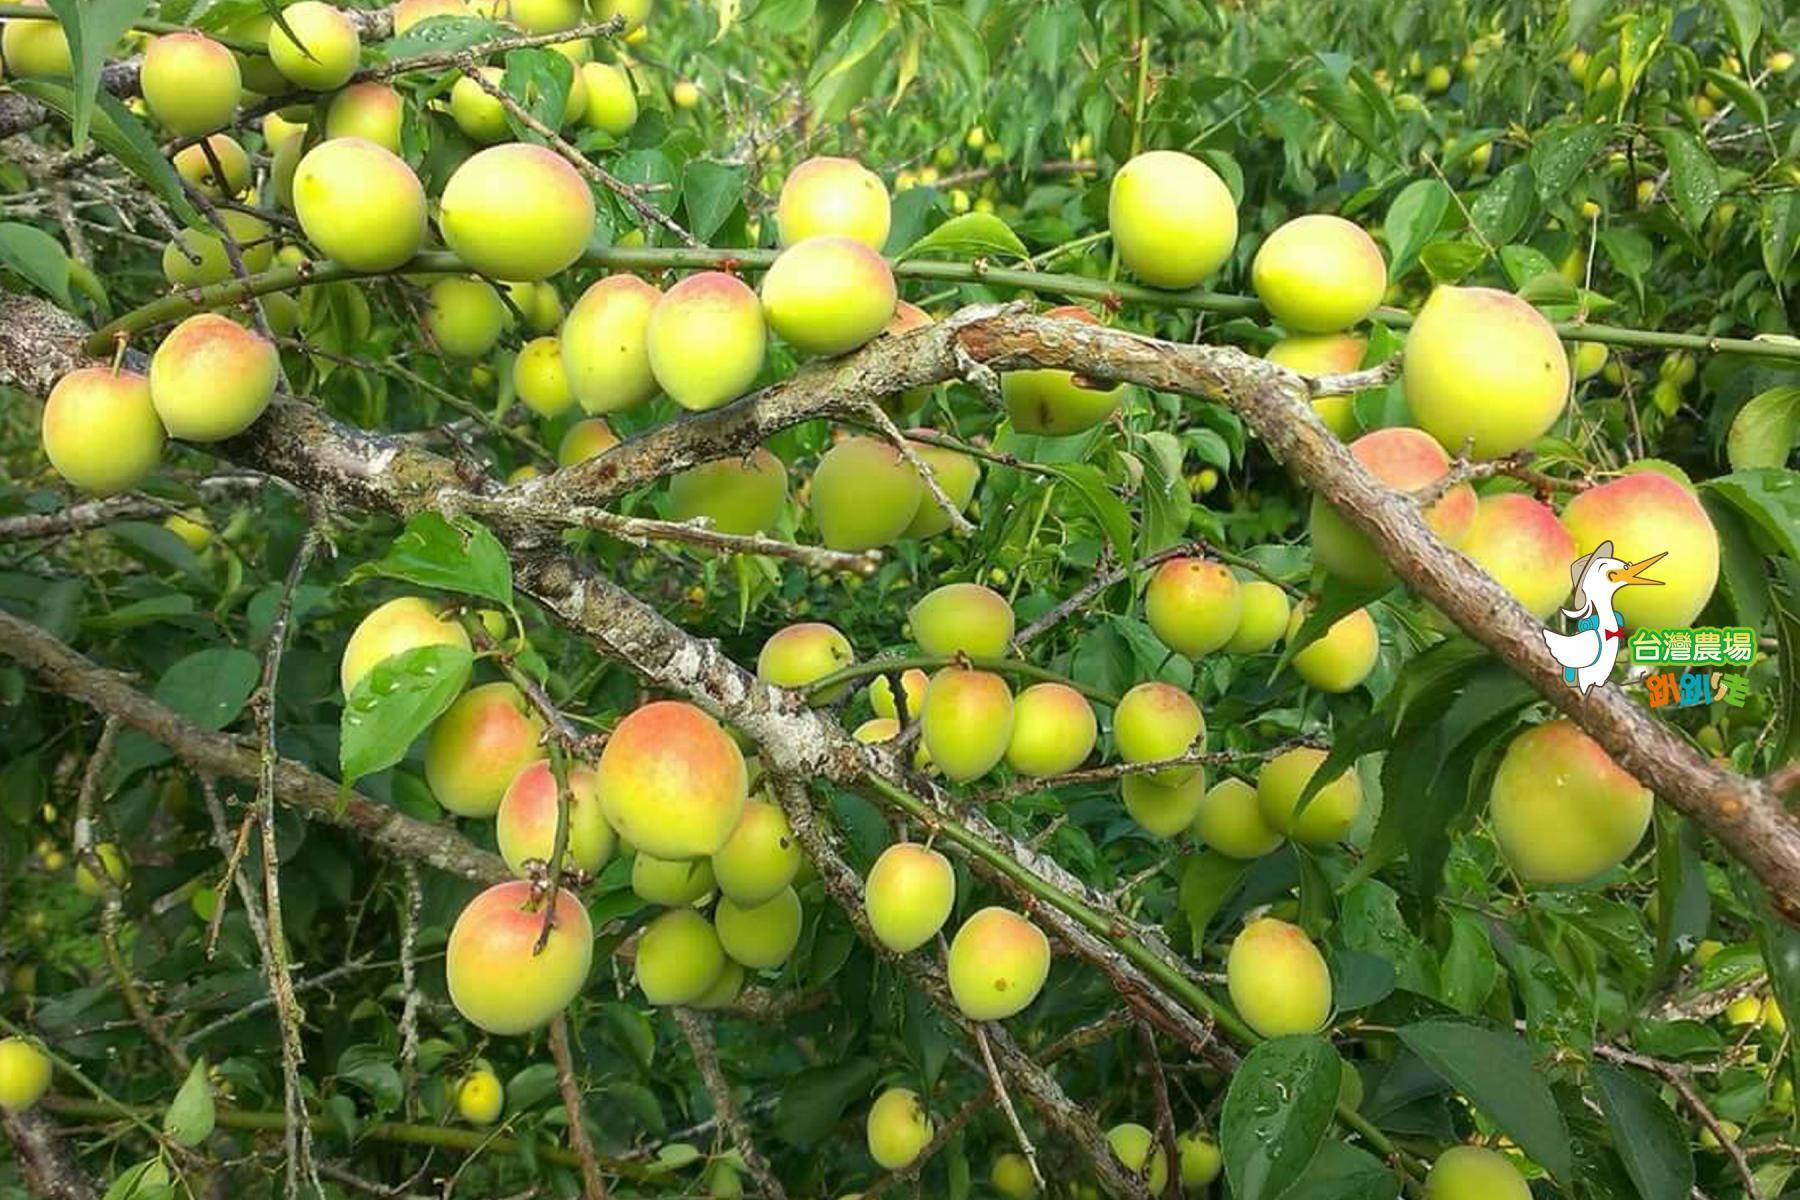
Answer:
[(539, 380), (198, 258), (525, 823), (1231, 821), (1406, 460), (907, 317), (1588, 359), (402, 624), (760, 858), (1193, 605), (802, 654), (1519, 541), (1327, 816), (584, 440), (476, 112), (482, 741), (898, 1128), (634, 12), (885, 729), (833, 196), (962, 618), (1058, 403), (100, 430), (24, 1069), (360, 204), (190, 82), (211, 378), (1012, 1178), (1278, 980), (464, 317), (1155, 721), (538, 302), (612, 105), (998, 964), (408, 13), (706, 340), (673, 884), (1137, 1150), (111, 862), (1745, 1010), (191, 528), (1319, 274), (679, 958), (373, 112), (326, 55), (913, 683), (674, 783), (864, 495), (1173, 220), (908, 896), (193, 165), (828, 295), (1262, 617), (1163, 810), (1472, 1173), (685, 94), (1483, 367), (605, 346), (1200, 1160), (36, 49), (1341, 659), (966, 722), (516, 211), (498, 979), (1053, 730), (760, 936), (543, 16), (1646, 513), (957, 474), (1562, 810), (1317, 354), (738, 495), (479, 1097)]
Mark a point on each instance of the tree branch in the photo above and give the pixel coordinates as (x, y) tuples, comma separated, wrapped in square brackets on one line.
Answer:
[(698, 1031)]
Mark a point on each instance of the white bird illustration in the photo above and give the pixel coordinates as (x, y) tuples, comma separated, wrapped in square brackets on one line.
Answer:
[(1589, 654)]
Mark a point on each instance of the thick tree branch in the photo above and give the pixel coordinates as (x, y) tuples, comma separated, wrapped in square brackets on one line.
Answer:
[(44, 1164)]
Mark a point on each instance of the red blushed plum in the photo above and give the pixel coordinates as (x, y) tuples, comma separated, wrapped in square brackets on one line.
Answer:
[(672, 781), (525, 825), (497, 979), (476, 748), (1406, 460)]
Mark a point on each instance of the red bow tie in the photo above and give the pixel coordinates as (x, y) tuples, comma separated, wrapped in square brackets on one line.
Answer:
[(1611, 633)]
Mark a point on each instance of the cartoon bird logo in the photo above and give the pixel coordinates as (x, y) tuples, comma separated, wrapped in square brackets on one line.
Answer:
[(1589, 654)]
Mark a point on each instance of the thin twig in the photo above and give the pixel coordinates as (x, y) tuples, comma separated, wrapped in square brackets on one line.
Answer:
[(593, 1187), (1165, 1116), (698, 1031), (1006, 1105), (891, 432), (1201, 758), (1677, 1077)]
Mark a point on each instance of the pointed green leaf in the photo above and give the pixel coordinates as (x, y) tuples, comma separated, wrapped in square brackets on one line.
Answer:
[(1496, 1071), (1650, 1140), (1276, 1114), (191, 1115), (395, 702), (93, 27), (37, 258), (972, 235)]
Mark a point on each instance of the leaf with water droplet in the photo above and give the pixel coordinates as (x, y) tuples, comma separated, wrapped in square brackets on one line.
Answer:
[(393, 704), (1276, 1114)]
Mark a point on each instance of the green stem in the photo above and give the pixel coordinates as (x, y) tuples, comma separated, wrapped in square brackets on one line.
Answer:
[(173, 308), (33, 12), (931, 662)]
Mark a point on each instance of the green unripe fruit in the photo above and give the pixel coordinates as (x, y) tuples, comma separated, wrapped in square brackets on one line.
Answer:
[(190, 83), (966, 722), (962, 618), (828, 295), (1200, 1160), (1318, 354), (373, 112), (360, 204), (211, 378), (634, 12), (1278, 980), (1483, 366), (679, 958), (908, 896), (538, 302), (612, 105), (1437, 80), (476, 748), (761, 857), (1173, 220), (1406, 460), (913, 683), (1053, 730), (203, 902), (193, 164), (1319, 274), (100, 430), (898, 1128), (864, 495), (725, 990), (1132, 1145), (479, 1097), (799, 655), (672, 781), (760, 936), (464, 317), (1058, 403), (1327, 816), (998, 964), (1588, 359), (957, 474), (326, 54), (1231, 821), (1262, 617), (1155, 721), (1012, 1178), (525, 824), (112, 863), (498, 978), (1193, 605), (1643, 513), (516, 211), (1163, 810), (1678, 367), (833, 197), (1472, 1173), (885, 729), (539, 380), (36, 49), (1341, 659), (24, 1069), (476, 112), (706, 340), (402, 624), (584, 440), (198, 258), (738, 495), (1518, 540), (1562, 810), (670, 884), (605, 344)]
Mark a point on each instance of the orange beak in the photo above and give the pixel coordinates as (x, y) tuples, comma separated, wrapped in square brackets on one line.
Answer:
[(1626, 576)]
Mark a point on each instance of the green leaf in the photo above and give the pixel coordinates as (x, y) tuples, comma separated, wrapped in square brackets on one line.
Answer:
[(1208, 879), (1640, 38), (845, 71), (440, 35), (143, 612), (814, 1100), (37, 258), (1497, 1074), (1744, 19), (540, 81), (963, 45), (1469, 970), (1769, 499), (456, 556), (972, 235), (148, 1180), (1501, 209), (190, 1117), (1560, 154), (1108, 509), (210, 687), (1450, 261), (1413, 220), (124, 137), (1343, 1172), (531, 1086), (1683, 905), (1765, 431), (93, 27), (1276, 1114), (1778, 223), (1650, 1140), (711, 191), (395, 702), (371, 1069), (1693, 176)]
